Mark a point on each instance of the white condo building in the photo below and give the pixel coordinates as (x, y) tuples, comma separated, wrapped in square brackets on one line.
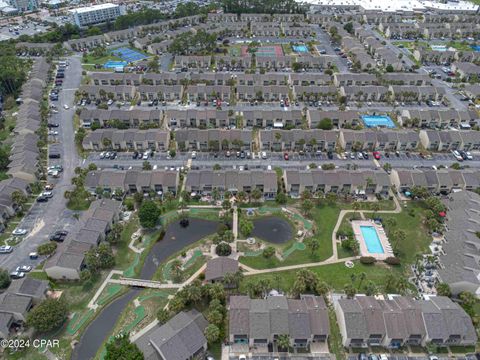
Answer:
[(95, 14)]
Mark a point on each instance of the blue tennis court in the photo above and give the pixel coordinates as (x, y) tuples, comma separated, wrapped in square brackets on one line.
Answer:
[(110, 64), (128, 55), (300, 48), (378, 121)]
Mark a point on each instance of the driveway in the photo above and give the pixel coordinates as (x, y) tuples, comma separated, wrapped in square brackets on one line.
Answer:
[(45, 218)]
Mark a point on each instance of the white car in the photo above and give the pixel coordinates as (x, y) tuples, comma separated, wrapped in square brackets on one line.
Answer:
[(145, 156), (102, 155), (264, 155), (5, 249), (19, 232), (383, 357), (457, 155), (53, 132), (24, 268), (469, 155), (242, 357), (47, 194), (194, 154), (65, 107), (17, 275)]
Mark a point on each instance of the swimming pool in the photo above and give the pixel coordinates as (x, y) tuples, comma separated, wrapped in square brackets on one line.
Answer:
[(370, 236), (438, 47), (300, 48), (110, 64), (475, 47), (378, 121)]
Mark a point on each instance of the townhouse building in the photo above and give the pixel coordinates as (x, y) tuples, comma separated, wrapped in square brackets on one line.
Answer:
[(272, 118), (132, 139), (69, 259), (133, 181), (444, 140), (259, 322), (339, 119), (391, 322), (199, 118), (213, 139), (459, 269), (443, 181), (298, 139), (205, 181), (133, 118), (386, 140), (354, 182)]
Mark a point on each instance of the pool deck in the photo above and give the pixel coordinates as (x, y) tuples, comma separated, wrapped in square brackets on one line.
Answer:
[(387, 248)]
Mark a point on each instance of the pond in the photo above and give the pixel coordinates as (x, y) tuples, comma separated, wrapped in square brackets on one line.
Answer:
[(273, 229), (176, 238)]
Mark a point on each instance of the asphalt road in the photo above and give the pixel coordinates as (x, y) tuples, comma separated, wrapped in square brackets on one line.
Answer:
[(207, 160), (45, 218)]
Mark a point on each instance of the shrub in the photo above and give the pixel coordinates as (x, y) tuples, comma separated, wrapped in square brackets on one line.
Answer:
[(223, 249), (366, 260), (47, 248), (392, 260)]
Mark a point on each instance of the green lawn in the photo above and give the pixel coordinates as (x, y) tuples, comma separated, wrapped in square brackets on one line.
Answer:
[(417, 239), (460, 45), (336, 275), (343, 253), (79, 200)]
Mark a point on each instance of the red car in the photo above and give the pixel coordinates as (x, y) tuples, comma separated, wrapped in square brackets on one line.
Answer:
[(376, 155), (285, 156)]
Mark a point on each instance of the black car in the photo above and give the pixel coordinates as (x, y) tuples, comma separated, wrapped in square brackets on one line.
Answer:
[(54, 156), (42, 199), (362, 356), (113, 155), (57, 237), (49, 125), (330, 155), (135, 155)]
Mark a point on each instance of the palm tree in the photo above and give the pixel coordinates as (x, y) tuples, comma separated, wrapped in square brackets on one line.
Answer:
[(362, 278), (322, 288), (241, 196), (19, 198), (283, 342)]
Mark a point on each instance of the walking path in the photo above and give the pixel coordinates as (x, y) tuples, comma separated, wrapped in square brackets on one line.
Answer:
[(235, 223), (93, 302)]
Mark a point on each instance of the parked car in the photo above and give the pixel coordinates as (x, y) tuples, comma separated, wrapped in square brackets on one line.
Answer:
[(33, 255), (41, 199), (457, 155), (24, 268), (19, 232), (285, 156), (17, 275), (6, 249), (47, 194), (264, 155), (376, 155)]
